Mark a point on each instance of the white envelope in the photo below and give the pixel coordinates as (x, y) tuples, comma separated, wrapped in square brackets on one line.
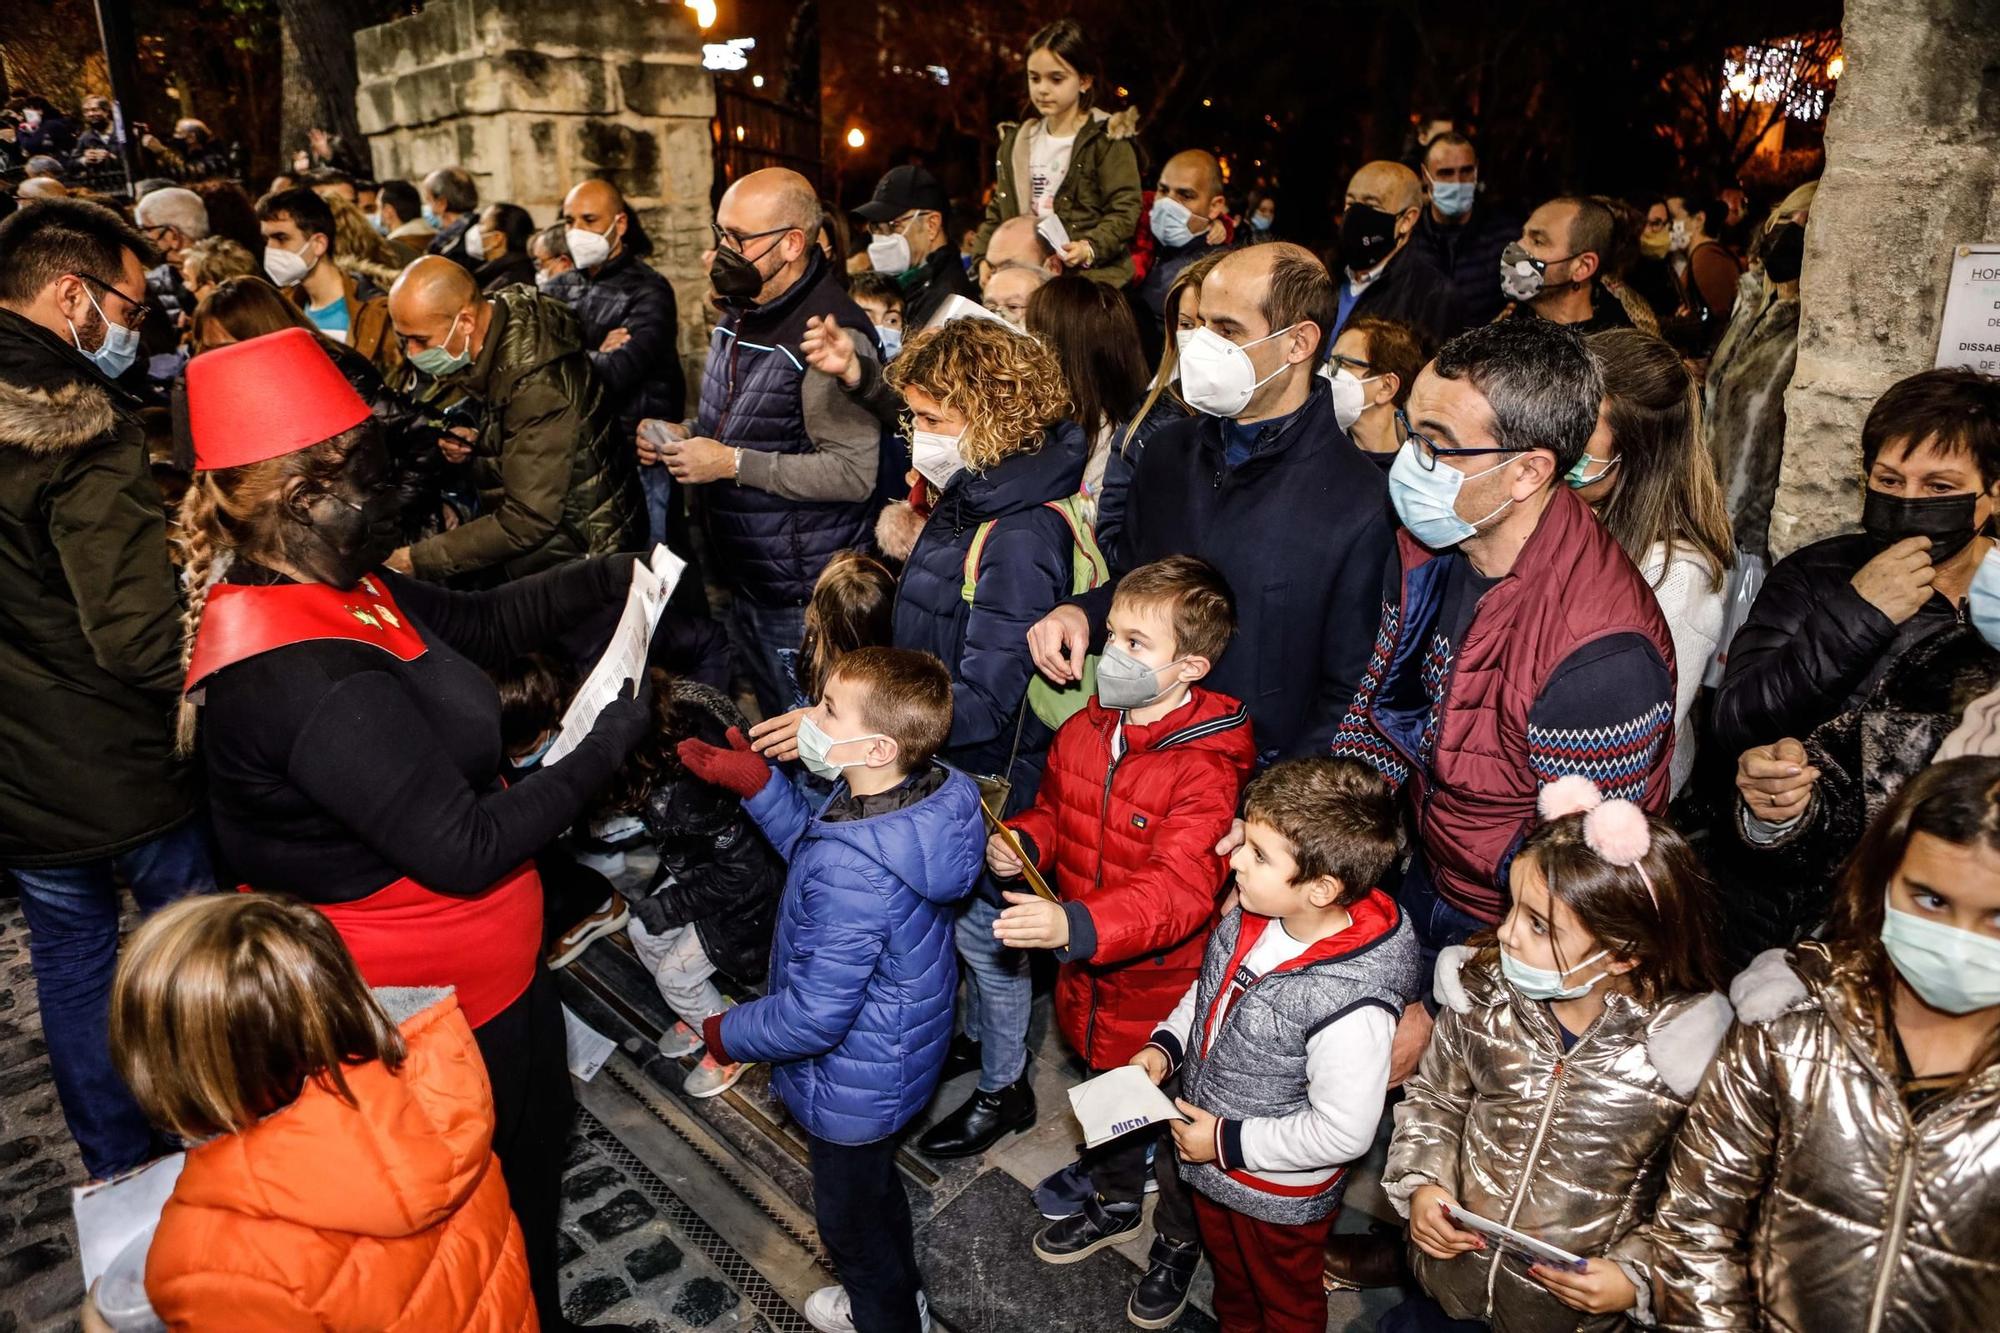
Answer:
[(1119, 1102), (1052, 230)]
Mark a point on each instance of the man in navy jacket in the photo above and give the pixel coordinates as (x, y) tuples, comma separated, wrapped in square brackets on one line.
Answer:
[(1276, 497)]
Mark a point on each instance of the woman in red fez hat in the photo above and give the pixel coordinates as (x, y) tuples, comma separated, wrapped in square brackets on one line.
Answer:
[(352, 740)]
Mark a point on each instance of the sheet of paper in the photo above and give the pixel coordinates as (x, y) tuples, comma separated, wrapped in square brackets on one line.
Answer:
[(588, 1048), (1516, 1242), (624, 657), (1118, 1103), (959, 307), (111, 1214), (1051, 229), (1013, 840)]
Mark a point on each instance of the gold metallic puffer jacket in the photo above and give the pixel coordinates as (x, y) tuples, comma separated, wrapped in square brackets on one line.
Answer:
[(1802, 1198), (1570, 1147)]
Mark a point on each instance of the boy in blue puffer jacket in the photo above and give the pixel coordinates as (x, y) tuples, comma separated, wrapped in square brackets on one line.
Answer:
[(859, 1008)]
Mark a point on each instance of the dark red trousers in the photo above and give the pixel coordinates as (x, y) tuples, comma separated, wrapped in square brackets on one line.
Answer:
[(1267, 1274)]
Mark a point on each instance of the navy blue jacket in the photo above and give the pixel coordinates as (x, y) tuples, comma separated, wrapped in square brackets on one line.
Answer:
[(1469, 254), (1024, 571), (863, 968), (643, 378), (769, 548), (1301, 532)]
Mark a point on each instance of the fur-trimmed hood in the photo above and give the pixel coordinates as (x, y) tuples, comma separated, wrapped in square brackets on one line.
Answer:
[(51, 399)]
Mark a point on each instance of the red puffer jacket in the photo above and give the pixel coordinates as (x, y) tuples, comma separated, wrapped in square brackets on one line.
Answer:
[(1132, 842)]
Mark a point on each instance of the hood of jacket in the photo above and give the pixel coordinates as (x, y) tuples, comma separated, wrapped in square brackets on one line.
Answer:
[(1023, 480), (529, 330), (398, 1162), (51, 397), (936, 846)]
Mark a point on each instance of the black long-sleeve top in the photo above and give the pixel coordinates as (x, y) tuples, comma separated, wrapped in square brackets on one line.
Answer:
[(335, 769)]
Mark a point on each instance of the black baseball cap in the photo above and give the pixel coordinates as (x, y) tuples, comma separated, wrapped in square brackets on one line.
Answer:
[(901, 190)]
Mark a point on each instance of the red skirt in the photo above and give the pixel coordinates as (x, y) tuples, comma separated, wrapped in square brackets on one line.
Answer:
[(487, 945)]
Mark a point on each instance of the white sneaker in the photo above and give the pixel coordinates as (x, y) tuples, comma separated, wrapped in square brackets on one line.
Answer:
[(710, 1079), (831, 1310), (679, 1040)]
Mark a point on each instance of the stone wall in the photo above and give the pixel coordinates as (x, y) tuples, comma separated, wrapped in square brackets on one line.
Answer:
[(533, 96), (1912, 170)]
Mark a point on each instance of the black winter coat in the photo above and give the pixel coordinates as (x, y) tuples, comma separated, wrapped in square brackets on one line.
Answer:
[(1413, 291), (1812, 646), (643, 378), (717, 873), (1300, 532), (1025, 569)]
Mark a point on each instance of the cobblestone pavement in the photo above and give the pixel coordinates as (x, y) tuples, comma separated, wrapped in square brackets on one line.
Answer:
[(623, 1260)]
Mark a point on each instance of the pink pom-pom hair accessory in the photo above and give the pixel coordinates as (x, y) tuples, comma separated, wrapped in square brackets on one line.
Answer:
[(1616, 830)]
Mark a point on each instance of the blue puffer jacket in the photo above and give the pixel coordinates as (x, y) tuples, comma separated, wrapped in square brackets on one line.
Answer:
[(1024, 570), (863, 969)]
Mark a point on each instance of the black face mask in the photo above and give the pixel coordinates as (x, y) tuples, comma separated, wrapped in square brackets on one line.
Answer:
[(735, 276), (1367, 235), (1785, 252), (335, 538), (1945, 519)]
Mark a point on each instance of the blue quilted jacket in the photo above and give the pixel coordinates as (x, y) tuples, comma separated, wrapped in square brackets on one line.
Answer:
[(859, 1007)]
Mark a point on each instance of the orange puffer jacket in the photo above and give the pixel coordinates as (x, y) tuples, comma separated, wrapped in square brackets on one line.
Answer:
[(387, 1215)]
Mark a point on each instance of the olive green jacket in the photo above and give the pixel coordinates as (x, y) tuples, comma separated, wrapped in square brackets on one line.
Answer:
[(553, 483), (90, 657), (1098, 200)]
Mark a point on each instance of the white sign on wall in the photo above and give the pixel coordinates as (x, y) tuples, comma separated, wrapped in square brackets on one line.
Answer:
[(1970, 333)]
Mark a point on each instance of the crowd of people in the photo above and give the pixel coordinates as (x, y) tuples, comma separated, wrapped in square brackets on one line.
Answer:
[(1365, 677)]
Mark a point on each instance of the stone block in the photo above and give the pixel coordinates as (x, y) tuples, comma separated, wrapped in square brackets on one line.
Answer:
[(626, 155), (519, 80), (624, 1212), (660, 88), (616, 27), (654, 1260), (593, 1296), (703, 1301)]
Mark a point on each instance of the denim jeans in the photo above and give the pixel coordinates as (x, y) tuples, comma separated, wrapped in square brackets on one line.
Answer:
[(760, 634), (998, 997), (72, 914)]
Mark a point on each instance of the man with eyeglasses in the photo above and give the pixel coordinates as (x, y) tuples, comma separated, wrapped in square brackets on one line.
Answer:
[(906, 227), (783, 459), (90, 666), (1518, 644), (1551, 272)]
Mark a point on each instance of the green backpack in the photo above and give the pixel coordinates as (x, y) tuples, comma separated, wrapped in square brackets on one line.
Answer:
[(1054, 704)]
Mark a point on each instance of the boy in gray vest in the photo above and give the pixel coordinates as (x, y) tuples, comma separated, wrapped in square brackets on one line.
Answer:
[(1283, 1042)]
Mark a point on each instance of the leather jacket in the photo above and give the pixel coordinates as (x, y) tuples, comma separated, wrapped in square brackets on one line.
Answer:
[(1568, 1146), (1802, 1196)]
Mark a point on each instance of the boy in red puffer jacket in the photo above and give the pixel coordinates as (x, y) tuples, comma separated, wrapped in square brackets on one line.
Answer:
[(1138, 788)]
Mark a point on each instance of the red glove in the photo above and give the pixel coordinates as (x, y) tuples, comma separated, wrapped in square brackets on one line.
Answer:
[(739, 768)]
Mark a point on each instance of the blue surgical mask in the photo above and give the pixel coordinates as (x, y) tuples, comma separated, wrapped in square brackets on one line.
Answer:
[(1260, 222), (891, 340), (1426, 500), (439, 361), (815, 747), (534, 756), (1169, 221), (120, 348), (1982, 602), (432, 220), (1454, 198), (1951, 969), (1542, 983)]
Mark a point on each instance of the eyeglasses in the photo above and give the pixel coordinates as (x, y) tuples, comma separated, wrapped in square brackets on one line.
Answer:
[(1353, 363), (1429, 450), (140, 310), (892, 227), (736, 240)]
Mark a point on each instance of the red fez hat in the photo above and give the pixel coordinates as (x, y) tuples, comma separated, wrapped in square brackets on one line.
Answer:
[(265, 398)]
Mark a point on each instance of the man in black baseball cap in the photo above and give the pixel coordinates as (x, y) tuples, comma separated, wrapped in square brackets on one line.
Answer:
[(906, 226)]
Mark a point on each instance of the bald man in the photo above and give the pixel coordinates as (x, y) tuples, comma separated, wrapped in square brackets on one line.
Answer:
[(784, 461), (1263, 484), (1187, 205), (1384, 277), (553, 484), (40, 187), (1016, 244)]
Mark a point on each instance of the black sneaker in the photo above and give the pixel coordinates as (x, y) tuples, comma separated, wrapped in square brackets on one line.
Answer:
[(1098, 1225), (1163, 1292)]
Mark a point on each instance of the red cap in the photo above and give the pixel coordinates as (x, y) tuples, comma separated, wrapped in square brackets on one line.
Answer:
[(266, 397)]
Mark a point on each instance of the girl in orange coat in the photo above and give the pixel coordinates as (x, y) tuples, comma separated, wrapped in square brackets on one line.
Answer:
[(343, 1174)]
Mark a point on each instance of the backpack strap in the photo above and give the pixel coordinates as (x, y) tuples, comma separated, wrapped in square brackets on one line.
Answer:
[(1089, 567), (973, 551)]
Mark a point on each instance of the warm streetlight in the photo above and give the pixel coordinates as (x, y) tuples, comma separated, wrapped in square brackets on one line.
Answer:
[(855, 138), (704, 13), (756, 80), (739, 134), (1836, 67), (1206, 102)]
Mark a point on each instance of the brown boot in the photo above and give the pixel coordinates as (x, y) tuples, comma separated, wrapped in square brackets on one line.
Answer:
[(1359, 1260)]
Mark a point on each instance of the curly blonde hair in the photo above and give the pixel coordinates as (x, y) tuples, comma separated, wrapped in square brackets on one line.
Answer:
[(1008, 386)]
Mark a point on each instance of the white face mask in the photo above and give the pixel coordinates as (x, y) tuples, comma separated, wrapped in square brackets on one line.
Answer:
[(1543, 983), (936, 456), (890, 254), (286, 268), (1217, 375), (1181, 337), (1350, 395), (587, 248), (475, 244)]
